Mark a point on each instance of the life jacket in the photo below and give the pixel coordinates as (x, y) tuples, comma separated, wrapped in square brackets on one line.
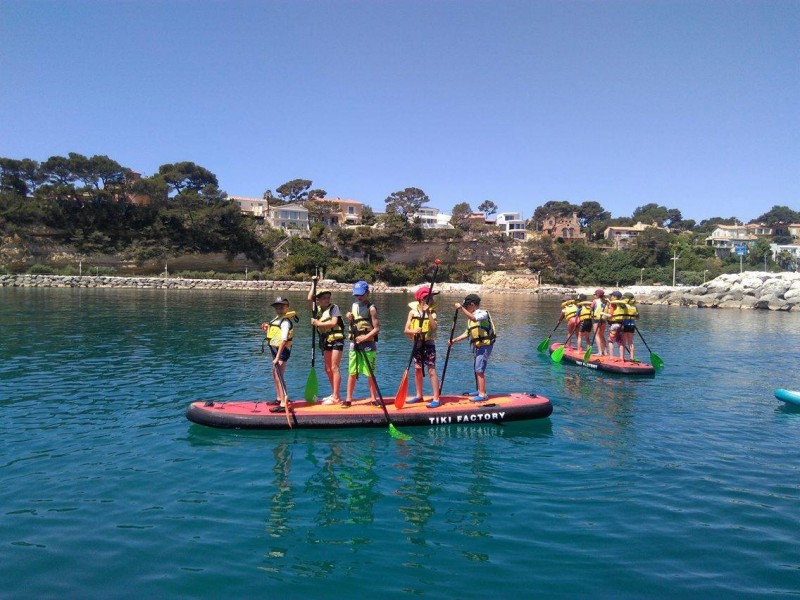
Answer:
[(631, 312), (362, 324), (585, 311), (569, 309), (618, 311), (423, 321), (481, 333), (598, 309), (274, 334), (333, 334)]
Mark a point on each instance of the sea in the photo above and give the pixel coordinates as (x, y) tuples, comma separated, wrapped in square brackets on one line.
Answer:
[(682, 485)]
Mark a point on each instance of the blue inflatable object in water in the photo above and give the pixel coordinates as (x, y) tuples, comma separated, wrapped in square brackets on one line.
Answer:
[(789, 396)]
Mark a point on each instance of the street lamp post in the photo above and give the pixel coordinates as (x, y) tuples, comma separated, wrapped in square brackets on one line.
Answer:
[(704, 275), (675, 258), (641, 276)]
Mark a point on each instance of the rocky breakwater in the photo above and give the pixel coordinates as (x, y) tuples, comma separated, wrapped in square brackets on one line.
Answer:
[(174, 283), (750, 290)]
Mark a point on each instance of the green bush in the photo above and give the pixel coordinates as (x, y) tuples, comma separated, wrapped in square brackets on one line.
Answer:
[(40, 269)]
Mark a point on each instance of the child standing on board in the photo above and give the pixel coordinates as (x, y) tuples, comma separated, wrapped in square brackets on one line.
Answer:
[(584, 316), (364, 326), (481, 334), (330, 328), (569, 311), (629, 324), (598, 310), (421, 327), (279, 334)]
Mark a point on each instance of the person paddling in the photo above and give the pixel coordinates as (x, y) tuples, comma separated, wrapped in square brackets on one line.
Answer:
[(421, 327), (279, 334), (330, 327), (481, 333), (364, 317)]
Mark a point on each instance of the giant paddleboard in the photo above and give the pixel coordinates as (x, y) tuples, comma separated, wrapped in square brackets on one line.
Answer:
[(605, 363), (789, 396), (453, 410)]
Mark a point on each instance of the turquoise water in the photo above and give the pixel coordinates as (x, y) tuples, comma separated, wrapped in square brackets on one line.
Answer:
[(683, 485)]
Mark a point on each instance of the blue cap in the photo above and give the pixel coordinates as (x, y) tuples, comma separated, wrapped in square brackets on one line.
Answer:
[(360, 288)]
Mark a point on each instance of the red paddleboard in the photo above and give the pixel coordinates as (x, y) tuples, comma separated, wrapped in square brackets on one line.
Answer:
[(605, 363), (453, 410)]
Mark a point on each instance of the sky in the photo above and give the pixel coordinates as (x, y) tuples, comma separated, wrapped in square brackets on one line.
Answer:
[(688, 104)]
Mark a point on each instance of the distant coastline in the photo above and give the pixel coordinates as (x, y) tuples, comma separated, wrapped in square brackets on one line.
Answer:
[(749, 290)]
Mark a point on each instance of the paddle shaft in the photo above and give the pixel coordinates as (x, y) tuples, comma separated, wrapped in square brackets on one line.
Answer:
[(645, 343), (314, 313), (365, 358), (277, 369), (447, 354)]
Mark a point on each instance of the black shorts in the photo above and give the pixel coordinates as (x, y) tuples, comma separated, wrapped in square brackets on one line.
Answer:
[(628, 328), (287, 352), (586, 325), (336, 345)]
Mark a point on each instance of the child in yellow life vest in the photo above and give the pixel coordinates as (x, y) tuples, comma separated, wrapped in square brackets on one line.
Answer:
[(615, 314), (569, 311), (481, 334), (629, 322), (584, 316), (280, 332), (364, 318), (421, 327), (330, 327), (598, 310)]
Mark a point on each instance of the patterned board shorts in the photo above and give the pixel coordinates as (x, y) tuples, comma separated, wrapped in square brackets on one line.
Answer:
[(425, 355)]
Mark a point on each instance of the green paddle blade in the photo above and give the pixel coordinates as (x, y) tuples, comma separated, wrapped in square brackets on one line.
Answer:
[(543, 345), (558, 354), (656, 361), (397, 434), (588, 354), (312, 387)]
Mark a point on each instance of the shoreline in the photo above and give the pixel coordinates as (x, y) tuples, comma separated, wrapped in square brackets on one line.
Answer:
[(177, 283), (746, 291)]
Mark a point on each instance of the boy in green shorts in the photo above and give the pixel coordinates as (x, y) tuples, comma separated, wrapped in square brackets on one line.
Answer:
[(365, 327)]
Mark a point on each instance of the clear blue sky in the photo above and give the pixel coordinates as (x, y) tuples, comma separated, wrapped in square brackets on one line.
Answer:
[(692, 105)]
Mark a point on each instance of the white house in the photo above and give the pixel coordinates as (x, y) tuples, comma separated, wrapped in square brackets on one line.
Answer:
[(726, 237), (511, 224), (431, 218), (292, 218)]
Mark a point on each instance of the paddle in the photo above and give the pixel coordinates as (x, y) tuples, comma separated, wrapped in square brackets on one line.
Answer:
[(447, 354), (402, 389), (277, 369), (393, 431), (558, 353), (588, 354), (546, 341), (655, 359), (312, 386)]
